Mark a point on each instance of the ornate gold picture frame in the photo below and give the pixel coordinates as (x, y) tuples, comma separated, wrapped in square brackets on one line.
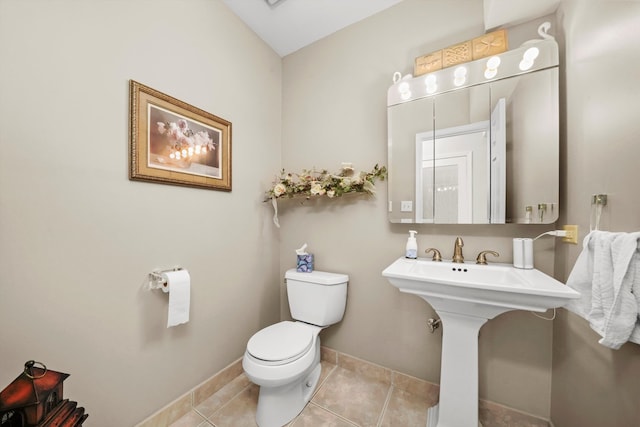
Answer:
[(172, 142)]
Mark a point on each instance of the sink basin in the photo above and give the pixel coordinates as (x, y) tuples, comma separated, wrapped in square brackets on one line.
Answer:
[(466, 296), (483, 290)]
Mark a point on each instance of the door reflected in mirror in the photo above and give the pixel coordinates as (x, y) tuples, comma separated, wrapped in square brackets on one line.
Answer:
[(451, 174)]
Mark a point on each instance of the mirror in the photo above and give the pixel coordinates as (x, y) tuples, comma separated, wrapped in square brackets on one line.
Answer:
[(486, 152)]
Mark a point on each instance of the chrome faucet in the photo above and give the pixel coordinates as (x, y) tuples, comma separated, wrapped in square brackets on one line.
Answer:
[(457, 251)]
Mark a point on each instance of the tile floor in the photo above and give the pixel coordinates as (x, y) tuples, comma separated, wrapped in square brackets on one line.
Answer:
[(349, 394)]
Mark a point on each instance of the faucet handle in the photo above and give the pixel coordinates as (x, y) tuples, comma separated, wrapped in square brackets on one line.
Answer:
[(436, 254), (482, 256)]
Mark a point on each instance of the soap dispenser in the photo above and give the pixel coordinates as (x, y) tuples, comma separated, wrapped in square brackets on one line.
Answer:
[(411, 250)]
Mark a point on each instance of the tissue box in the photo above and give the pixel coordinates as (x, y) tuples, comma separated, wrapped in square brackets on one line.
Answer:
[(305, 263)]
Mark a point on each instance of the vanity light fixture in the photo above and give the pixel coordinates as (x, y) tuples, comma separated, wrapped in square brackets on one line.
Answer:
[(492, 67), (533, 55), (431, 83), (460, 76), (528, 58)]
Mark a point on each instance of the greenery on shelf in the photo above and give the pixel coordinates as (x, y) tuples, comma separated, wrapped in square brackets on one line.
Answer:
[(312, 183)]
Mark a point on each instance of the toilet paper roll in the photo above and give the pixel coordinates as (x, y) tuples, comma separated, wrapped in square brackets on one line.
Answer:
[(179, 288)]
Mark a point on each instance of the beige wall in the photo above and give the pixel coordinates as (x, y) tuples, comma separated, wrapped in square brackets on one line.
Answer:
[(594, 386), (77, 238), (334, 110)]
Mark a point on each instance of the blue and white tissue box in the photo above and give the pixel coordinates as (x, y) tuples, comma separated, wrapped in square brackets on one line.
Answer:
[(304, 263)]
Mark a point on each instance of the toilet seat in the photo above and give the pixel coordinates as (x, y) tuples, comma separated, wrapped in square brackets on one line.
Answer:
[(281, 343)]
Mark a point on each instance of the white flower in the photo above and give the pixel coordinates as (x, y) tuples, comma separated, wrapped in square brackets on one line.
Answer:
[(203, 138), (331, 193), (346, 182), (161, 128), (369, 187), (279, 190), (317, 189), (173, 131)]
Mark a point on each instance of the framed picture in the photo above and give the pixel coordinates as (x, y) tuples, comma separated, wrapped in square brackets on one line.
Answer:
[(172, 142)]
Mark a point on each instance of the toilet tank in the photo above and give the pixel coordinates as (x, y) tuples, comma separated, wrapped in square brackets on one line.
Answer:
[(318, 297)]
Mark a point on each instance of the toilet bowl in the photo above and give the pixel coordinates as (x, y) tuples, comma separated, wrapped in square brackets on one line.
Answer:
[(284, 358), (287, 377)]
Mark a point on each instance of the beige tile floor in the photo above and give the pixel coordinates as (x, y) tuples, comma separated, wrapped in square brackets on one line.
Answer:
[(344, 398)]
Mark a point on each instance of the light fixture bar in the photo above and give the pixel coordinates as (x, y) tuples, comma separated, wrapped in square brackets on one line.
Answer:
[(525, 59)]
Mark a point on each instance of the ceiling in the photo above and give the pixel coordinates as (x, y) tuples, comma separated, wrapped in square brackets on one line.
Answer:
[(290, 25), (293, 24)]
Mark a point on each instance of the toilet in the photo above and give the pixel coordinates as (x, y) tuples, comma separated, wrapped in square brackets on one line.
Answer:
[(284, 359)]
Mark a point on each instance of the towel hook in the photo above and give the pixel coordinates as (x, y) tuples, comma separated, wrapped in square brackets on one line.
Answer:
[(598, 201)]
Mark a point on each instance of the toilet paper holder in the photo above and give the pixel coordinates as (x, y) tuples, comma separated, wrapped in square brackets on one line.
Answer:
[(157, 281)]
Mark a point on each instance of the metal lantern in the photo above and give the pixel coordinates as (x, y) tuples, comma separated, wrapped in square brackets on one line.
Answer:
[(35, 399)]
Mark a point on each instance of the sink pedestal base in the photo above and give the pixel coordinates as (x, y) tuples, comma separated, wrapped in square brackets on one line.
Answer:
[(432, 417), (466, 296), (458, 405)]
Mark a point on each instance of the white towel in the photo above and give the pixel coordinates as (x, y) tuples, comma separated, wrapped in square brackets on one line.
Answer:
[(580, 279), (607, 275)]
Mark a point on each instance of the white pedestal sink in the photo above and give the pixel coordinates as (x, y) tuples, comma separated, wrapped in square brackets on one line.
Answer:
[(465, 296)]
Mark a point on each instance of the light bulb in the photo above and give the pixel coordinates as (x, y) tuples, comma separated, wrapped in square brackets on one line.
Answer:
[(527, 59), (493, 62), (525, 64), (460, 75), (405, 92), (460, 72), (531, 53), (490, 73), (430, 80), (432, 88), (177, 155), (184, 153), (172, 156)]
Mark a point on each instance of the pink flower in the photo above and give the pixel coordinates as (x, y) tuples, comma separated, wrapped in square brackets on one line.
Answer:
[(184, 141), (182, 124), (161, 128)]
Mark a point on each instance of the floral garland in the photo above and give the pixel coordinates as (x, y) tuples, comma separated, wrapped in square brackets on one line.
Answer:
[(312, 183)]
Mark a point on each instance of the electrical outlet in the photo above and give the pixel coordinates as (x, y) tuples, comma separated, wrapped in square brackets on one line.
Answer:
[(572, 234), (406, 206)]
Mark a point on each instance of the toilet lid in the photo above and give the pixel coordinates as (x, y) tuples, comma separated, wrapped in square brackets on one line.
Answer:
[(284, 341)]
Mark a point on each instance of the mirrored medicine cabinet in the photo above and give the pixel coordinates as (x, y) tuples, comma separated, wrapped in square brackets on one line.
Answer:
[(477, 143)]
